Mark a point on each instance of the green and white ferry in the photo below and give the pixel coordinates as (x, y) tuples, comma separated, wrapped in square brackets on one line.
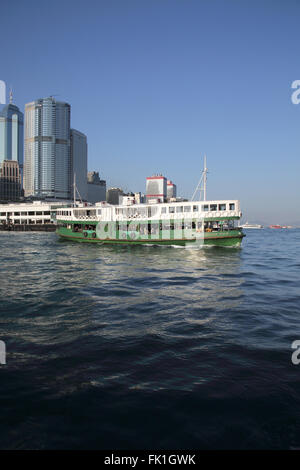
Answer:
[(173, 223)]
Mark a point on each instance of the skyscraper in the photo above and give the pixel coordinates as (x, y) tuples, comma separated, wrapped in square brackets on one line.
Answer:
[(171, 190), (156, 188), (96, 187), (10, 181), (11, 133), (47, 166), (79, 162)]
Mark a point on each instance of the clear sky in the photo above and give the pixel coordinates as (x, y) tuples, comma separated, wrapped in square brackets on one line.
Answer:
[(155, 84)]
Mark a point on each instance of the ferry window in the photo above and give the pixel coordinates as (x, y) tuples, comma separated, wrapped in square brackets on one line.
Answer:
[(99, 211), (187, 208), (77, 228), (205, 208), (222, 207), (195, 208), (163, 210), (213, 207), (46, 212), (143, 229), (179, 209), (172, 210), (17, 213), (231, 206)]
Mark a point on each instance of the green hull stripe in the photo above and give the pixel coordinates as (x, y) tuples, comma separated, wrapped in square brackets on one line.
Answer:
[(146, 241)]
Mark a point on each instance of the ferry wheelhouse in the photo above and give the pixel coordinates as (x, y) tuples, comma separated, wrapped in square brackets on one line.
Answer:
[(174, 223)]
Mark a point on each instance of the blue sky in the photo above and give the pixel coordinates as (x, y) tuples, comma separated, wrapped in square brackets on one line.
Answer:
[(155, 84)]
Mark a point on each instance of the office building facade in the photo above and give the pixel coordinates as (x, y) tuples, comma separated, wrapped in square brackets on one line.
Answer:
[(156, 188), (79, 163), (96, 188), (10, 181), (113, 195), (171, 190), (11, 134), (47, 162)]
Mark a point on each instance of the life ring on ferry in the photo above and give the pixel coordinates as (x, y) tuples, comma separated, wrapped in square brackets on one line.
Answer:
[(85, 234)]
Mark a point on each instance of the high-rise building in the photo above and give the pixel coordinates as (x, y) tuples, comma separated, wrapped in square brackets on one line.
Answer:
[(113, 195), (156, 188), (10, 181), (11, 134), (96, 188), (171, 190), (79, 162), (47, 165)]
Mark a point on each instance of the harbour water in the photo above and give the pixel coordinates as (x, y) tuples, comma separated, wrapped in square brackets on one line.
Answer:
[(149, 347)]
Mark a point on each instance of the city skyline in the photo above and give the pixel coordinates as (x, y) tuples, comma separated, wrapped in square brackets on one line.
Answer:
[(212, 79)]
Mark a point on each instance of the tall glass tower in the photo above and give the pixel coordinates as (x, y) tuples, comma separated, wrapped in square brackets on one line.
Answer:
[(47, 166), (11, 134)]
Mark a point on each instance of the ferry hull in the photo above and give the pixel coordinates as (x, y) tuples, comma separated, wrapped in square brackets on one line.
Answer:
[(229, 238)]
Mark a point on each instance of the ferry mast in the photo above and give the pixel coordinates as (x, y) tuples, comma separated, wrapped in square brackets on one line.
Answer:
[(201, 186)]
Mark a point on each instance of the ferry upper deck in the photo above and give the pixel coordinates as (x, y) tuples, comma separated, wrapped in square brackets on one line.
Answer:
[(229, 209)]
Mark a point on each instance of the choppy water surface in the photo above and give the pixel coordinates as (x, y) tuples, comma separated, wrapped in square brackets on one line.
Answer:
[(149, 347)]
